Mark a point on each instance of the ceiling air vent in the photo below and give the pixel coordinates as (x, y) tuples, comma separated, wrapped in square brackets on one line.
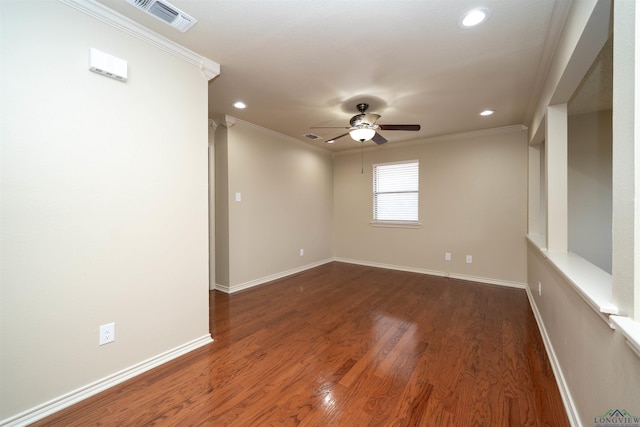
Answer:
[(166, 13), (312, 136)]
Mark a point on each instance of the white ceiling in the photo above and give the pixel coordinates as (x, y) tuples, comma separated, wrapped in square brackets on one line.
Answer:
[(304, 63)]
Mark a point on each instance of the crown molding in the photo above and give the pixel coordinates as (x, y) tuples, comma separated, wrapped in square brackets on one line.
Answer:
[(278, 134), (551, 40), (450, 137), (478, 133), (209, 68)]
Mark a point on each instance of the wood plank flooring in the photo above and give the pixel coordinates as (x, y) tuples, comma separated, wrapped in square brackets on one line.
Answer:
[(349, 345)]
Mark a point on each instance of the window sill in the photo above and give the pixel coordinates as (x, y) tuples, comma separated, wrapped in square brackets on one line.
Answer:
[(593, 284), (396, 224), (538, 240), (630, 330)]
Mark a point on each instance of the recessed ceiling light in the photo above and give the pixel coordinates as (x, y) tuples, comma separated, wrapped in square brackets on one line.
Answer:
[(240, 105), (487, 112), (474, 17)]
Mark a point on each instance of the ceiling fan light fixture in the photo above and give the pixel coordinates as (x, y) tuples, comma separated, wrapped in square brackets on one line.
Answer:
[(364, 127), (474, 17), (362, 134)]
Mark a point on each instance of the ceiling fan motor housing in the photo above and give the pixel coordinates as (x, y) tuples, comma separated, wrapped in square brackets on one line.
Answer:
[(357, 120), (363, 119)]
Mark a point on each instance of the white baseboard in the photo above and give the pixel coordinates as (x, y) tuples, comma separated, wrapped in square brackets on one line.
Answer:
[(390, 266), (489, 281), (485, 280), (567, 400), (41, 411), (271, 277), (266, 279)]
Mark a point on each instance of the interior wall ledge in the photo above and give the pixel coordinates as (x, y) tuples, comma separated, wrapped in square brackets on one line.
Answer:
[(209, 68), (631, 331), (592, 283)]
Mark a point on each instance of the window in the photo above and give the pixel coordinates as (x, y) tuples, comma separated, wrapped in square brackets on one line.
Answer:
[(395, 192)]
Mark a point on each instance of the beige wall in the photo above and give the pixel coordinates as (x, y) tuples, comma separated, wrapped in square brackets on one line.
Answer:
[(589, 187), (104, 213), (221, 206), (599, 369), (472, 202), (286, 189), (595, 368), (104, 204)]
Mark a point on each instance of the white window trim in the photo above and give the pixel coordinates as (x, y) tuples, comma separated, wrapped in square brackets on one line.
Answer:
[(394, 223)]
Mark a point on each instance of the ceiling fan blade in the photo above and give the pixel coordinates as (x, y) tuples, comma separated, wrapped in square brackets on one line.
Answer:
[(337, 137), (378, 139), (400, 127)]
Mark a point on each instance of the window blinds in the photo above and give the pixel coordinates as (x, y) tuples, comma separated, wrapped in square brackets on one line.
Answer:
[(395, 188)]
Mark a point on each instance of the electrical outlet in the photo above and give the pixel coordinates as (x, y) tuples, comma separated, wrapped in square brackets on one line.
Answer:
[(301, 252), (469, 259), (539, 288), (447, 256), (107, 333)]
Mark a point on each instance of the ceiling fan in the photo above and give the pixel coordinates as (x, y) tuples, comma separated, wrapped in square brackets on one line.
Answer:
[(364, 127)]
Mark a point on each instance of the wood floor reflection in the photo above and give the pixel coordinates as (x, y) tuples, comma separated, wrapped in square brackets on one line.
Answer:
[(349, 345)]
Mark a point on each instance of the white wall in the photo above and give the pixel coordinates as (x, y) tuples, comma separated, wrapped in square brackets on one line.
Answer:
[(286, 189), (104, 204), (473, 201)]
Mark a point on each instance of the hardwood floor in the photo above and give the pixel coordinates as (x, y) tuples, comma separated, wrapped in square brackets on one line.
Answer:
[(349, 345)]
